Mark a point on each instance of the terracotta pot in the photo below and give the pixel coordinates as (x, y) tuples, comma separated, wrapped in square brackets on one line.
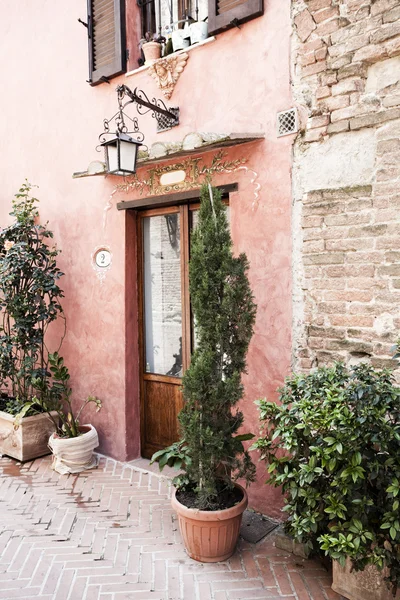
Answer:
[(27, 441), (361, 585), (210, 536), (73, 455), (152, 51)]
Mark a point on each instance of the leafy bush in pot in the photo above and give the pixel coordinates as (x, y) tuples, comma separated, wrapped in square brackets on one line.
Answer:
[(334, 447), (29, 301)]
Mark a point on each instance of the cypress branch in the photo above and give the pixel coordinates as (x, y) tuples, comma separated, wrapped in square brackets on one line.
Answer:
[(224, 313)]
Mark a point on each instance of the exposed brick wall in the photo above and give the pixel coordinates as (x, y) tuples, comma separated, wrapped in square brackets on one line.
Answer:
[(346, 80)]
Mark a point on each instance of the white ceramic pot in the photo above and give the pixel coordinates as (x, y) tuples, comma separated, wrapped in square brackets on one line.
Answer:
[(179, 42), (198, 32), (73, 455)]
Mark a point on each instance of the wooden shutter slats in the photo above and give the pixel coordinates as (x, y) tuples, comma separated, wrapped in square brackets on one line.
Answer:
[(99, 4), (106, 39), (102, 35), (224, 14), (224, 5)]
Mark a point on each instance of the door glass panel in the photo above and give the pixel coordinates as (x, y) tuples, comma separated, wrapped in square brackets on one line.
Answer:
[(194, 220), (162, 295)]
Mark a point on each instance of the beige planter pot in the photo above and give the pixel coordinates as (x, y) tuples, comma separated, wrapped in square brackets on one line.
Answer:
[(210, 536), (27, 441), (73, 455), (360, 585), (152, 51)]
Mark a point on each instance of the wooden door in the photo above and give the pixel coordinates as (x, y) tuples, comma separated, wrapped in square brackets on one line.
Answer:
[(164, 326)]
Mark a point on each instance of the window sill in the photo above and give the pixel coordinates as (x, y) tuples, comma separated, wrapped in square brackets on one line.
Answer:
[(189, 49)]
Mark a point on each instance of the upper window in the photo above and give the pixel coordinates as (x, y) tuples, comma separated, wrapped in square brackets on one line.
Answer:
[(182, 20), (107, 39), (171, 15)]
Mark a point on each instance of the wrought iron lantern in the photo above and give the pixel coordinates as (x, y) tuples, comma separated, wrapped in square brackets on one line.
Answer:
[(121, 154), (121, 150)]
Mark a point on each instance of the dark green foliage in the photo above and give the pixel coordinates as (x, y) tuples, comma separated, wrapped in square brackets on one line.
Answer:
[(224, 314), (29, 299), (334, 447)]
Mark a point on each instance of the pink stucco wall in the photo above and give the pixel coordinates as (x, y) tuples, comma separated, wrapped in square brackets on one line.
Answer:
[(52, 119)]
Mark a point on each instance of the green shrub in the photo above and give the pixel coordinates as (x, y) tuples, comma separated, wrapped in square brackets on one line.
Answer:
[(29, 301), (334, 447)]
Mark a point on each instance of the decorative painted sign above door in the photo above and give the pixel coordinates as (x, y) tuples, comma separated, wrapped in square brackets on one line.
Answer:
[(195, 174)]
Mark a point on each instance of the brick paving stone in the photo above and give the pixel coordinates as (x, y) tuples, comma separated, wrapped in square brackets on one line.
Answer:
[(110, 534)]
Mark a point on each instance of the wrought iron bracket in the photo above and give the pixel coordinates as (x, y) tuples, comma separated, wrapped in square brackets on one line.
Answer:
[(165, 118)]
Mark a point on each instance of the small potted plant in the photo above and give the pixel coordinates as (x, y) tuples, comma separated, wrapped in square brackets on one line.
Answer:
[(151, 45), (334, 447), (29, 302), (211, 453), (72, 444)]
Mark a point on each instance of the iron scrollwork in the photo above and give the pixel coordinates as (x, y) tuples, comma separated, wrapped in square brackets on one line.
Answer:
[(144, 105)]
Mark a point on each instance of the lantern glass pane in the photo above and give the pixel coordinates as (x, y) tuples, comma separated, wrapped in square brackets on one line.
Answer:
[(112, 150), (128, 156)]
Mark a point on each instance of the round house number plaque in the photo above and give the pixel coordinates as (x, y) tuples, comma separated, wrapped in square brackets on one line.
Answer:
[(102, 258)]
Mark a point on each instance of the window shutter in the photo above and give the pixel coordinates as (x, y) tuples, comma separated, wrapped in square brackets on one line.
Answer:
[(224, 14), (107, 39)]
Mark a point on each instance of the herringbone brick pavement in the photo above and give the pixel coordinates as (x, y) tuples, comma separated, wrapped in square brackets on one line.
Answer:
[(110, 534)]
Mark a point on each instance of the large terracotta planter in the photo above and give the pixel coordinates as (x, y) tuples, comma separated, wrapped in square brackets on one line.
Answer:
[(210, 536), (360, 585), (29, 439), (73, 455)]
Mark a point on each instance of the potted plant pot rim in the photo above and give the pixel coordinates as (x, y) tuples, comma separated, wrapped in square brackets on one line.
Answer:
[(152, 51), (361, 585), (73, 455), (28, 440), (210, 536)]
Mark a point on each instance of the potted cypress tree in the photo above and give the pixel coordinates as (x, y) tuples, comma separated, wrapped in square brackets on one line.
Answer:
[(211, 453)]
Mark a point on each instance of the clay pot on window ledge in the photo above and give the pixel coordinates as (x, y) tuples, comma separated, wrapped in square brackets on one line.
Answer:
[(152, 51), (361, 585), (74, 455), (210, 536)]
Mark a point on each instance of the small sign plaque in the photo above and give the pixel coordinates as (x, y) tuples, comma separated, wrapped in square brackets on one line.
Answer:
[(102, 258)]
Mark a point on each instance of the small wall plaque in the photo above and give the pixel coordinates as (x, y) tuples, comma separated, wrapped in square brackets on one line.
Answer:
[(173, 178), (102, 258)]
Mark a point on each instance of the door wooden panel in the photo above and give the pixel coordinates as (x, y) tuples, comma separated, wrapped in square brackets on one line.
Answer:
[(162, 403)]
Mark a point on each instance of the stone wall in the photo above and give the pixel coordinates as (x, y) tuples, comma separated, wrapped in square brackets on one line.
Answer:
[(346, 180)]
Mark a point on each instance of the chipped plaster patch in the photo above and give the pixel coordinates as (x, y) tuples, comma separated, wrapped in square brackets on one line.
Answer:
[(346, 159)]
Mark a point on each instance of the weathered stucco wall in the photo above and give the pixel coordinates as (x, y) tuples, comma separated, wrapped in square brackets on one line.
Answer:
[(346, 187), (52, 122)]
